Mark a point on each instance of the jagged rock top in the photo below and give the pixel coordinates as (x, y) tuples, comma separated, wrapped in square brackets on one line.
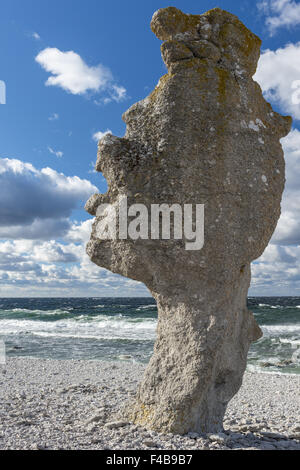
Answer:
[(215, 35)]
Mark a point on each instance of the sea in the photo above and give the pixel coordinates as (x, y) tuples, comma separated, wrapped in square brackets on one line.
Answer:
[(123, 329)]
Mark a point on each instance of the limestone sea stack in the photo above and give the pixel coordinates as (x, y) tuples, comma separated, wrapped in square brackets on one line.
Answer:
[(205, 135)]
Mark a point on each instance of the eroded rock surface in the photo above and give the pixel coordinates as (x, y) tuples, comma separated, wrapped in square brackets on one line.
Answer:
[(205, 135)]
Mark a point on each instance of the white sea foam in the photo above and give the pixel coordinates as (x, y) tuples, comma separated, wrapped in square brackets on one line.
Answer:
[(145, 307), (281, 329), (292, 341), (273, 306), (57, 311), (255, 368), (109, 327)]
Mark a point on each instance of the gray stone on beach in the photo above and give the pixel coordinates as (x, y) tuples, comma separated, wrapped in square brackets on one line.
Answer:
[(149, 443), (266, 446), (116, 424), (205, 135), (95, 418)]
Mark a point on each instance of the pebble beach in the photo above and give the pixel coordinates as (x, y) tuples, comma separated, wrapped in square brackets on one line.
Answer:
[(73, 404)]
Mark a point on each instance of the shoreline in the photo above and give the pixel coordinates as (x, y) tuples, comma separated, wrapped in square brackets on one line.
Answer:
[(71, 404), (251, 369)]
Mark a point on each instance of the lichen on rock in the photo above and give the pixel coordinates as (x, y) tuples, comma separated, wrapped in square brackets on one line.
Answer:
[(205, 135)]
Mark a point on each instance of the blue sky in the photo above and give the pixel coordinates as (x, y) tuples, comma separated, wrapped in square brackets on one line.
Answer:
[(71, 68)]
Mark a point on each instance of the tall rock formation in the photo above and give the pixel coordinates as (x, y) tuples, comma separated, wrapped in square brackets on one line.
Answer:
[(205, 135)]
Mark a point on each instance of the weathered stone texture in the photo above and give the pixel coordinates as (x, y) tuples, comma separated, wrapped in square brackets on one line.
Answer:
[(205, 135)]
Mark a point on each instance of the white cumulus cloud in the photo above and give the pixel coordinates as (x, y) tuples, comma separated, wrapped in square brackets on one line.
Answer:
[(288, 229), (42, 251), (277, 271), (37, 204), (280, 13), (98, 135), (69, 71), (278, 74), (62, 269)]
